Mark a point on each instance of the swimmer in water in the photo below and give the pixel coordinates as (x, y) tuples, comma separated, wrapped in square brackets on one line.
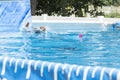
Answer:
[(42, 28), (39, 30), (26, 27)]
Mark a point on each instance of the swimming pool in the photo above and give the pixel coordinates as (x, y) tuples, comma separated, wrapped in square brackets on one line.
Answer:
[(60, 54), (98, 47)]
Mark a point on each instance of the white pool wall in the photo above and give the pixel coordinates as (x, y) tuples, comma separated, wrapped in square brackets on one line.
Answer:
[(99, 19)]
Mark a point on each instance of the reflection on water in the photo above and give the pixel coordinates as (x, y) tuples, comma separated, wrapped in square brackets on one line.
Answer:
[(96, 48)]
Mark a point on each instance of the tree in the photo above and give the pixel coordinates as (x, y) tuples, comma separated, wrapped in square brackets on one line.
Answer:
[(33, 6), (68, 7), (113, 2)]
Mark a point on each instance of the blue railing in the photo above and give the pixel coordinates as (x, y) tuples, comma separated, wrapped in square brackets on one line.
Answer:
[(23, 69)]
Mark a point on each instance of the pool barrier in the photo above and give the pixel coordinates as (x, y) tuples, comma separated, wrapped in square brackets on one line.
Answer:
[(23, 69), (116, 26)]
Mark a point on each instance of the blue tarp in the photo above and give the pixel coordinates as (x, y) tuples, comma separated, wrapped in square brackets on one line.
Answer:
[(14, 14)]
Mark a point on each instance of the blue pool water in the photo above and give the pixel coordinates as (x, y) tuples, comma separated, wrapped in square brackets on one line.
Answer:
[(97, 48)]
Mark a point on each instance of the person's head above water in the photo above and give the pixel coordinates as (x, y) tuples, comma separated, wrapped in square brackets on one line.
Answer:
[(27, 24), (42, 28)]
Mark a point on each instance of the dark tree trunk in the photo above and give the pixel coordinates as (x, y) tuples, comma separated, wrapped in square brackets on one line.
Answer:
[(33, 6)]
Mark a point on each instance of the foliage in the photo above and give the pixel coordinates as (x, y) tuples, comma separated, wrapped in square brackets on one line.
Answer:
[(69, 7), (113, 15), (113, 2)]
